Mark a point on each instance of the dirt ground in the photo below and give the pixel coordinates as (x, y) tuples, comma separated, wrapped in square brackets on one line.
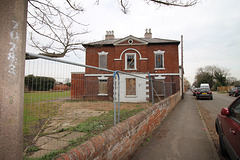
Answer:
[(72, 113)]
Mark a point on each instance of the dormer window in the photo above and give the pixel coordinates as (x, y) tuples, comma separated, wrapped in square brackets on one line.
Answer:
[(130, 61), (159, 59)]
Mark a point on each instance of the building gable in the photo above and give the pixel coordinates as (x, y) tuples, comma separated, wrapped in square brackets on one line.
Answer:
[(130, 40)]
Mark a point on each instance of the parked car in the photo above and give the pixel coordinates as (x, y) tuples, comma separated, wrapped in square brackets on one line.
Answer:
[(195, 91), (204, 93), (228, 128), (234, 91)]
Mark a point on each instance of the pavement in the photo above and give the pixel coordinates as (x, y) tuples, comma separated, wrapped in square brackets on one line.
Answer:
[(54, 142), (181, 136), (54, 138)]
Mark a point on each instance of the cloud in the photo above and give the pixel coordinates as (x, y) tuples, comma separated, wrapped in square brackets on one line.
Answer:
[(210, 29)]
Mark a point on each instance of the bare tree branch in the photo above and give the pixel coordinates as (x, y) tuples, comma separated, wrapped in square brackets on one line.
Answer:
[(178, 3), (53, 25), (124, 5)]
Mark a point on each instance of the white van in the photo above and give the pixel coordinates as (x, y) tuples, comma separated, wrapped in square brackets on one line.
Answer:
[(204, 85)]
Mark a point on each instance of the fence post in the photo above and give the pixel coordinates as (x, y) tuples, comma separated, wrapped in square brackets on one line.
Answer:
[(150, 80), (171, 88), (164, 88), (118, 98), (12, 62), (114, 95)]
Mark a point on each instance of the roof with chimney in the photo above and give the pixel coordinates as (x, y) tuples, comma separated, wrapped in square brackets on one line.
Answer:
[(130, 40)]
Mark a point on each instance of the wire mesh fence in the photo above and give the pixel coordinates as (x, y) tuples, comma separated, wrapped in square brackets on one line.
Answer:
[(64, 106)]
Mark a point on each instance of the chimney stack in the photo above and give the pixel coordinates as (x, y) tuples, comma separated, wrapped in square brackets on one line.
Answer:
[(148, 33), (109, 35)]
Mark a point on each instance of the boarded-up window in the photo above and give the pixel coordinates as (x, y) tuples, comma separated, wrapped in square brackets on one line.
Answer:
[(103, 61), (130, 86), (102, 86)]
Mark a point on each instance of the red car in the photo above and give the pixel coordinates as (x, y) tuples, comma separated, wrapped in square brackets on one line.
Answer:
[(228, 128)]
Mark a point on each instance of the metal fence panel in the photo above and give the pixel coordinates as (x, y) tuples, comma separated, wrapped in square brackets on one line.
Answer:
[(64, 107)]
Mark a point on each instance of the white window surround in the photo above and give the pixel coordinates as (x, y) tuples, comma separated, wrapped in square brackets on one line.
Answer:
[(159, 77), (135, 61), (159, 52), (102, 78), (103, 53)]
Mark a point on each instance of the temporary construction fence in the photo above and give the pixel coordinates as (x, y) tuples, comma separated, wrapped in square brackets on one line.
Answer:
[(64, 107)]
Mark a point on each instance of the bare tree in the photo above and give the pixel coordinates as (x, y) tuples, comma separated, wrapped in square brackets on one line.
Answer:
[(211, 74), (51, 25)]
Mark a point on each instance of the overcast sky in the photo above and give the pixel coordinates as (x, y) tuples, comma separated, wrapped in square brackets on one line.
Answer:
[(211, 29)]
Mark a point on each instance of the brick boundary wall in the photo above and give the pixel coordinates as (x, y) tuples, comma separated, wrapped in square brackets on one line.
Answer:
[(123, 139)]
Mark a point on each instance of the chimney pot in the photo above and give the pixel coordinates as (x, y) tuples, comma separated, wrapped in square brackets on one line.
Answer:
[(109, 35), (148, 33)]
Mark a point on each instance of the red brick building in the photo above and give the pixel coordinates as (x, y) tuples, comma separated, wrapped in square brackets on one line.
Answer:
[(140, 56)]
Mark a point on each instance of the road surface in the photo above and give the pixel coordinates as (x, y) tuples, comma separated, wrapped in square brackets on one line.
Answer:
[(210, 109), (219, 101)]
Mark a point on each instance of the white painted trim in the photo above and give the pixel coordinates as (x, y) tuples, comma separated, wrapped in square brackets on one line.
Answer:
[(160, 77), (156, 69), (77, 72), (103, 53), (134, 44), (164, 74), (102, 94), (98, 75), (128, 49), (158, 52), (103, 78)]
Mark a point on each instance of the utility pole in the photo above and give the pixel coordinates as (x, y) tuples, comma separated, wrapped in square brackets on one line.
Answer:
[(182, 66), (12, 48)]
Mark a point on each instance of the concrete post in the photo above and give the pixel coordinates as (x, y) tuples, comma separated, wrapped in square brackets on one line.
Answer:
[(12, 60)]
